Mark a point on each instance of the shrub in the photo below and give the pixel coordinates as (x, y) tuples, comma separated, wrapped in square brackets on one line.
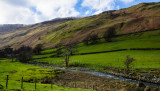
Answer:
[(24, 54), (38, 49), (109, 34), (94, 39)]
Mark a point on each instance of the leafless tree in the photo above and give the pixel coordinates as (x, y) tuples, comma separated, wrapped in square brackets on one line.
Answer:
[(128, 62), (68, 51)]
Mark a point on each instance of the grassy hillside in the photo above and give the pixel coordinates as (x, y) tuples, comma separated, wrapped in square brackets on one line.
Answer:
[(29, 35), (137, 18), (16, 70), (144, 59), (149, 39)]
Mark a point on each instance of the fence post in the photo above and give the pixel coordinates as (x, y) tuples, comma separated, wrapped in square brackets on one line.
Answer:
[(86, 85), (51, 83), (75, 84), (7, 82), (22, 83), (92, 87), (35, 83)]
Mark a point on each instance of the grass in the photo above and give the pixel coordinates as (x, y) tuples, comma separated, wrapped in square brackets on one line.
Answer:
[(53, 61), (48, 51), (150, 39), (42, 55), (16, 70), (143, 59), (148, 59)]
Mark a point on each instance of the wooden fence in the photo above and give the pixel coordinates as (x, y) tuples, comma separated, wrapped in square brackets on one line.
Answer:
[(72, 84)]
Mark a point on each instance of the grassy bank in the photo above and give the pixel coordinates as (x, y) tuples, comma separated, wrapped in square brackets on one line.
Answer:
[(16, 70)]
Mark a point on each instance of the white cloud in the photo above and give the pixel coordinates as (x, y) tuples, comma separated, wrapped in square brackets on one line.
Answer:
[(99, 5), (98, 12), (33, 11), (14, 14), (87, 12), (127, 1)]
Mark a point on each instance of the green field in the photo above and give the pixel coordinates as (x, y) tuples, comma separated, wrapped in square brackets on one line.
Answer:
[(143, 59), (149, 39), (16, 70), (148, 59)]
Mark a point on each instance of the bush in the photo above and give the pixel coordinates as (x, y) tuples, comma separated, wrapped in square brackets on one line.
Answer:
[(58, 52), (109, 34), (38, 49), (94, 39), (2, 54), (24, 54)]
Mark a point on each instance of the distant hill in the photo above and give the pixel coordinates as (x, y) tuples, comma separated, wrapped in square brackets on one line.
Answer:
[(138, 18), (9, 27)]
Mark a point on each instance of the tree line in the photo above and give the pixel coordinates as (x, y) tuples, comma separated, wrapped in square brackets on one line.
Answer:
[(23, 54)]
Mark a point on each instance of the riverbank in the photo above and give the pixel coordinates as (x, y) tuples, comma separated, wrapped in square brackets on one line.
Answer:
[(85, 76), (133, 75)]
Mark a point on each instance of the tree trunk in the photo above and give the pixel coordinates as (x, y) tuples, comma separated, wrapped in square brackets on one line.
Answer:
[(127, 70), (12, 56), (66, 59)]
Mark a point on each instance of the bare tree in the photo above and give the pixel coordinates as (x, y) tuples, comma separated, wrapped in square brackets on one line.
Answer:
[(128, 62), (68, 51)]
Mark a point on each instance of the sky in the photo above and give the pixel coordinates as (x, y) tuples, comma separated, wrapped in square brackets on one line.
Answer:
[(34, 11)]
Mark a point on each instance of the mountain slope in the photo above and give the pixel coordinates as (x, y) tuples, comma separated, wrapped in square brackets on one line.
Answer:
[(9, 27), (142, 17), (17, 37)]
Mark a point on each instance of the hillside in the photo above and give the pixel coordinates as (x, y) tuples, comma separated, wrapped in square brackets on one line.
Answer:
[(9, 27), (30, 33), (141, 17)]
